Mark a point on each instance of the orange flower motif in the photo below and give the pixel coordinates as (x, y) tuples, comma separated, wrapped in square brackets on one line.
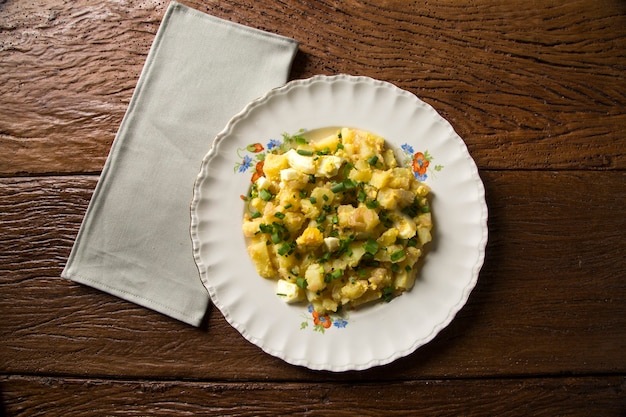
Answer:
[(324, 320), (258, 171), (420, 163)]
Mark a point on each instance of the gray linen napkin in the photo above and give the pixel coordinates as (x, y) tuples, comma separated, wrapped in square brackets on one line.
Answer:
[(134, 241)]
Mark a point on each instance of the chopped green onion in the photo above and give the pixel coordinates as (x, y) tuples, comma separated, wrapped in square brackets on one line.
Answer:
[(313, 200), (302, 193), (325, 197), (396, 256), (304, 152), (288, 206), (301, 283), (265, 195), (279, 214), (338, 187), (361, 196), (371, 246), (425, 209), (336, 273), (349, 184), (276, 238), (266, 228), (372, 204), (285, 249), (387, 294), (255, 214), (335, 219), (372, 160)]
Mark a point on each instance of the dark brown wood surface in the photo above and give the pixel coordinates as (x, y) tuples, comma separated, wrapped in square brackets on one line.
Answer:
[(537, 91)]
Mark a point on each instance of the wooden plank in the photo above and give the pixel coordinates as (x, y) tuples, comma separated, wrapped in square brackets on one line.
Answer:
[(551, 298), (532, 82), (566, 396)]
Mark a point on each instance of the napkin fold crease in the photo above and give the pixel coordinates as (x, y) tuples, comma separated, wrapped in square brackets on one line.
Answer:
[(134, 241)]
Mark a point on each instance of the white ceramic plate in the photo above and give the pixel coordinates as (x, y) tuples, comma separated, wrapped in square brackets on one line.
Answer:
[(376, 334)]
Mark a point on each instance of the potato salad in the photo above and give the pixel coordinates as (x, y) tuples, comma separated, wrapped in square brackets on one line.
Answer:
[(336, 222)]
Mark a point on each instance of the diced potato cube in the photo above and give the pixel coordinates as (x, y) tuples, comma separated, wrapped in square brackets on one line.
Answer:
[(329, 142), (314, 276), (380, 179), (258, 251), (424, 235), (353, 290), (360, 219), (400, 178), (392, 198), (273, 165)]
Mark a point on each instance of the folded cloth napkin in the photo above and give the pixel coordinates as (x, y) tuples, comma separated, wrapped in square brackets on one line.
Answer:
[(134, 241)]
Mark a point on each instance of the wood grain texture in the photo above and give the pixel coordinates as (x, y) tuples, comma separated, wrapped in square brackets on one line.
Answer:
[(531, 87), (572, 397), (551, 298)]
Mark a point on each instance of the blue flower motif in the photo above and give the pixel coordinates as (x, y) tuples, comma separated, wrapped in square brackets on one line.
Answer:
[(421, 177), (340, 323), (245, 164), (407, 148), (272, 144), (310, 308)]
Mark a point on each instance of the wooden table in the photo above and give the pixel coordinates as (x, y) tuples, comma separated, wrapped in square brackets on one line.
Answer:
[(537, 91)]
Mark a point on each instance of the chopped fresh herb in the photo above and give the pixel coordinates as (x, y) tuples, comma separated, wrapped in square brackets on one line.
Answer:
[(300, 140), (373, 204), (396, 256), (388, 294), (304, 152), (372, 160), (276, 238), (255, 214), (301, 283), (265, 195), (288, 206), (325, 197), (302, 193), (338, 187), (285, 249), (336, 273), (371, 246), (279, 215), (425, 209), (335, 219), (349, 184), (313, 200), (361, 196), (266, 228)]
